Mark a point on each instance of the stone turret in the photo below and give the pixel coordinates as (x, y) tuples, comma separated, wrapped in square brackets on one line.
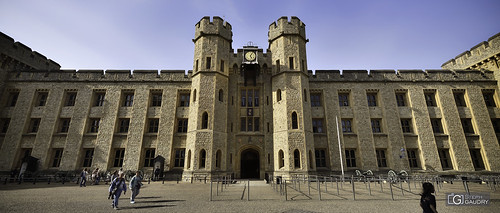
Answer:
[(207, 136), (292, 136)]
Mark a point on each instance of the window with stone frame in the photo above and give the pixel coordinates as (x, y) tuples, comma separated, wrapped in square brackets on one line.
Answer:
[(459, 96), (413, 158), (343, 99), (99, 98), (346, 125), (203, 158), (489, 98), (317, 124), (372, 99), (496, 124), (444, 157), (184, 99), (41, 98), (209, 63), (295, 122), (179, 157), (56, 157), (218, 159), (296, 159), (430, 99), (467, 126), (4, 125), (128, 98), (320, 155), (119, 156), (350, 157), (124, 124), (149, 157), (376, 125), (153, 125), (34, 125), (204, 121), (281, 158), (406, 125), (381, 158), (94, 125), (70, 98), (315, 99), (12, 100), (156, 97), (64, 125), (182, 125), (88, 156), (401, 99), (437, 126), (249, 104), (477, 159)]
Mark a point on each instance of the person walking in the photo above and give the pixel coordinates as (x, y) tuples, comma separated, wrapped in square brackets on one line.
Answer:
[(135, 185), (95, 176), (427, 200), (116, 188), (83, 177)]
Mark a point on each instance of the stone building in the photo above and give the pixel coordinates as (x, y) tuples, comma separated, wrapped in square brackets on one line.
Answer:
[(250, 112)]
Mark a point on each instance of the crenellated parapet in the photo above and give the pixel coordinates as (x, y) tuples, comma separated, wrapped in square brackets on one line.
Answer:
[(485, 55), (402, 76), (15, 55), (100, 76), (217, 26), (284, 27)]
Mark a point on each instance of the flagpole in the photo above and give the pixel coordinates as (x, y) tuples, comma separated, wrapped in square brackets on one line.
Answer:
[(340, 149)]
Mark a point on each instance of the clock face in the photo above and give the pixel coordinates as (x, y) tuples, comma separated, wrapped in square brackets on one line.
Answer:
[(250, 56)]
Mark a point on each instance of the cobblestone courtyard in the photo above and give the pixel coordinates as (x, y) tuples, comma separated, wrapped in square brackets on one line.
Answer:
[(187, 197)]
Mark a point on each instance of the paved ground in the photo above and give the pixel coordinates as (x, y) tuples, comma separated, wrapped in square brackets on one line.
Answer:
[(187, 197)]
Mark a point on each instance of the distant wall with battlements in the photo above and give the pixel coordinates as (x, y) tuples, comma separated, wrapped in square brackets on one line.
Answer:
[(485, 55)]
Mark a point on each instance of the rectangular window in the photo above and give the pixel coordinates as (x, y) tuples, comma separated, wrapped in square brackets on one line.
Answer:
[(124, 124), (320, 157), (87, 159), (119, 154), (153, 125), (467, 126), (406, 125), (489, 98), (437, 126), (496, 124), (94, 125), (401, 99), (290, 59), (70, 99), (184, 100), (209, 63), (243, 124), (376, 125), (4, 122), (182, 125), (243, 97), (149, 158), (346, 125), (412, 158), (278, 65), (459, 99), (256, 97), (12, 99), (222, 65), (317, 125), (256, 124), (56, 157), (156, 99), (343, 99), (477, 159), (381, 158), (250, 98), (179, 157), (196, 67), (64, 122), (444, 156), (350, 157), (41, 99), (128, 99), (372, 99), (315, 99), (34, 125), (430, 99), (99, 98)]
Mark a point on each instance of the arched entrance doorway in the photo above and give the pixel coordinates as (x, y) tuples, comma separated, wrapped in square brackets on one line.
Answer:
[(250, 164)]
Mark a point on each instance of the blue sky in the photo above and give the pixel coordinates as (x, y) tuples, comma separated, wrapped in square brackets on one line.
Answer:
[(142, 34)]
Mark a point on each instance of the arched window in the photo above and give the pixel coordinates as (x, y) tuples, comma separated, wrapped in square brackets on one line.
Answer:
[(310, 159), (295, 124), (296, 158), (204, 120), (278, 95), (218, 158), (189, 159), (305, 95), (203, 158), (194, 95), (281, 156), (221, 95), (235, 68)]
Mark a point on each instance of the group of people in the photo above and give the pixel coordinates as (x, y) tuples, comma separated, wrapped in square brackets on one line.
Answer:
[(96, 177)]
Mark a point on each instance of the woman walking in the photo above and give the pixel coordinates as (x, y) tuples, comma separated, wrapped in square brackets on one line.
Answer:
[(135, 186), (427, 200), (117, 186)]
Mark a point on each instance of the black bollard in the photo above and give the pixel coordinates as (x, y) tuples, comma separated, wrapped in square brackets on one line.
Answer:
[(34, 181), (5, 182), (149, 181), (48, 181)]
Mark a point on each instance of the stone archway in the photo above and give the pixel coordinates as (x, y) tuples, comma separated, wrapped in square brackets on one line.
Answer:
[(250, 163)]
